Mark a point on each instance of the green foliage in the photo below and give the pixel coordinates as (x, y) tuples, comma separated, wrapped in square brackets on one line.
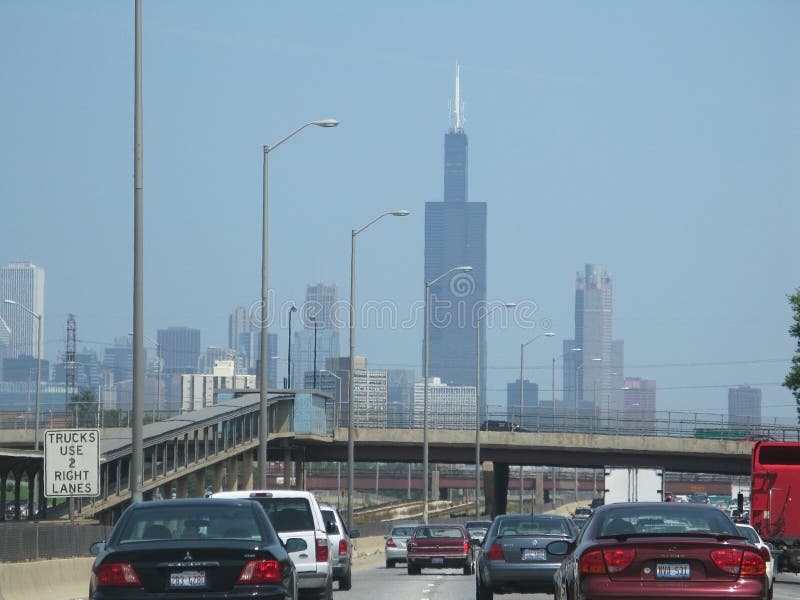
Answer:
[(83, 409), (792, 380)]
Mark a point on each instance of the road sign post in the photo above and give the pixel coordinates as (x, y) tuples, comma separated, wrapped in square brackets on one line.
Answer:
[(71, 463)]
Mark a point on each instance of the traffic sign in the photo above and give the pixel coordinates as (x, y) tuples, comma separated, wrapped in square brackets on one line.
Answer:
[(71, 463)]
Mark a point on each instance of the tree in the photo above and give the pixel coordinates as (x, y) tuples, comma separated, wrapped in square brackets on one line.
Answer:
[(83, 409), (792, 380)]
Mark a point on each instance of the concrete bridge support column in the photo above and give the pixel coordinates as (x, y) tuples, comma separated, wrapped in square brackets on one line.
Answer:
[(287, 468), (487, 475), (539, 499), (300, 474), (232, 467), (247, 471), (166, 490), (216, 483), (182, 488), (199, 484), (499, 504)]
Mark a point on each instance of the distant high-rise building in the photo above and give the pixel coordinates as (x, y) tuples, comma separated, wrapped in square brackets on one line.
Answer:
[(5, 343), (455, 235), (250, 348), (400, 397), (369, 389), (639, 405), (118, 360), (200, 390), (320, 330), (22, 282), (239, 322), (24, 368), (449, 406), (180, 349), (529, 412), (88, 373), (593, 376), (744, 405)]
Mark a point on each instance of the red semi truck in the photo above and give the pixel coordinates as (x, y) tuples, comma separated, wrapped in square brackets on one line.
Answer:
[(775, 499)]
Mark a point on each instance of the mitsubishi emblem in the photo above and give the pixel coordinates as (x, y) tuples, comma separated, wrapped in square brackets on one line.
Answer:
[(188, 556)]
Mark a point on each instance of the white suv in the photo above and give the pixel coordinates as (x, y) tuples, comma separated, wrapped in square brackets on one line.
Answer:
[(296, 515)]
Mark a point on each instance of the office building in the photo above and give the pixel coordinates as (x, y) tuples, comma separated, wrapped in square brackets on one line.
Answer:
[(400, 397), (744, 406), (524, 410), (370, 390), (180, 349), (455, 235), (639, 406), (593, 377), (316, 338), (449, 406), (22, 282), (118, 360), (200, 390), (239, 322), (5, 343)]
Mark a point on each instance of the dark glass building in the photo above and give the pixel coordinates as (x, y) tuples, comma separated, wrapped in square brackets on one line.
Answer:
[(455, 235)]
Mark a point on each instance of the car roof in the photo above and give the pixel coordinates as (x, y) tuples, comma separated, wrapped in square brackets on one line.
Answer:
[(262, 493)]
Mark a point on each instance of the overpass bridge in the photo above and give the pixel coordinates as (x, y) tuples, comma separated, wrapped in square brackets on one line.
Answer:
[(224, 438)]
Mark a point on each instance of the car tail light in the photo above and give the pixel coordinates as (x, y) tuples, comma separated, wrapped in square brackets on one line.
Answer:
[(260, 571), (496, 552), (753, 564), (390, 543), (618, 559), (342, 546), (739, 562), (592, 563), (117, 575), (466, 546), (322, 549), (765, 554)]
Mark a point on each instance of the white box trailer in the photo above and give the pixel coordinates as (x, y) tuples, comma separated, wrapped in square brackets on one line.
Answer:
[(633, 484)]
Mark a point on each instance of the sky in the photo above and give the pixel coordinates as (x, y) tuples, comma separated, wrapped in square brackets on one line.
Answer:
[(659, 139)]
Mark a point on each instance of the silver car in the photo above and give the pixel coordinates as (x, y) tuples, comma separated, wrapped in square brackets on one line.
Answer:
[(341, 545), (395, 547)]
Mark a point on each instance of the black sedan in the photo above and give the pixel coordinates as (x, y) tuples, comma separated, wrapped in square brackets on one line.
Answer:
[(660, 550), (182, 549), (515, 555)]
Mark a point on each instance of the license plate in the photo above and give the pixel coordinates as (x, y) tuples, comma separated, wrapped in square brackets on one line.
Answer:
[(673, 571), (438, 561), (187, 579), (533, 554)]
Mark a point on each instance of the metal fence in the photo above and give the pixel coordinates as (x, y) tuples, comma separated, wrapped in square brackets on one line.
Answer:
[(34, 541)]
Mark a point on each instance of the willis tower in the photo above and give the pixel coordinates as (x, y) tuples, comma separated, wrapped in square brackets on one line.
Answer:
[(455, 235)]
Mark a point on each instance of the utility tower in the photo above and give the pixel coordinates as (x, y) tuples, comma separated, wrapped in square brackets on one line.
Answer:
[(69, 368)]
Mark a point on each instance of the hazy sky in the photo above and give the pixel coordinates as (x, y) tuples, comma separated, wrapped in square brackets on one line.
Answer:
[(660, 139)]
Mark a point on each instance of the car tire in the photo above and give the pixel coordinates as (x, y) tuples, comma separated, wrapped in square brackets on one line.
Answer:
[(346, 582), (468, 569), (481, 591), (389, 564)]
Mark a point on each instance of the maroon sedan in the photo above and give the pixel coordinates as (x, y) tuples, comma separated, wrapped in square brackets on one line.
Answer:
[(660, 550), (439, 547)]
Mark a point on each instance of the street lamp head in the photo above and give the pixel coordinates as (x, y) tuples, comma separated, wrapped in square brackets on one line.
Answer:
[(597, 359), (325, 123), (576, 350), (548, 334), (400, 213), (293, 308), (10, 301), (510, 305), (464, 269)]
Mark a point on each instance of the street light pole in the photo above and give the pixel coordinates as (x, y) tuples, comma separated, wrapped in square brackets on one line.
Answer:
[(522, 399), (428, 285), (351, 366), (263, 422), (289, 383), (38, 318), (478, 320)]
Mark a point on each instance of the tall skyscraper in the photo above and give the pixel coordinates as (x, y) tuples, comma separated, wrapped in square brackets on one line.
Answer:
[(180, 349), (250, 348), (320, 330), (639, 407), (529, 413), (744, 405), (449, 406), (593, 377), (239, 322), (22, 282), (455, 235)]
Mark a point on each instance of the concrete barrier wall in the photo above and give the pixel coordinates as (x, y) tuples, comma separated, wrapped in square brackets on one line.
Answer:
[(56, 579)]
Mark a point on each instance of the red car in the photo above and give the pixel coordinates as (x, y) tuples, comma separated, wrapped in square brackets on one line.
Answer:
[(658, 550), (439, 547)]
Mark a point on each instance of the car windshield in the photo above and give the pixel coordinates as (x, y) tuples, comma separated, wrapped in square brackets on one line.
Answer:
[(668, 518), (544, 526), (206, 522)]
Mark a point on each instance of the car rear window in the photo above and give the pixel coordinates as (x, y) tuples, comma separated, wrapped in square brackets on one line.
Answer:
[(534, 526), (207, 522), (402, 531), (439, 532), (669, 518), (288, 514)]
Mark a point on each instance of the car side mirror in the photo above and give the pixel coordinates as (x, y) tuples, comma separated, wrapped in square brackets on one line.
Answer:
[(559, 548), (354, 533), (97, 548)]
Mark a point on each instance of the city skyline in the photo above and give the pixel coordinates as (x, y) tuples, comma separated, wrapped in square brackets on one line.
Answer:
[(656, 145)]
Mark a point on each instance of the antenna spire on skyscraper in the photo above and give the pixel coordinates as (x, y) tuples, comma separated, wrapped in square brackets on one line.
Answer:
[(457, 109)]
